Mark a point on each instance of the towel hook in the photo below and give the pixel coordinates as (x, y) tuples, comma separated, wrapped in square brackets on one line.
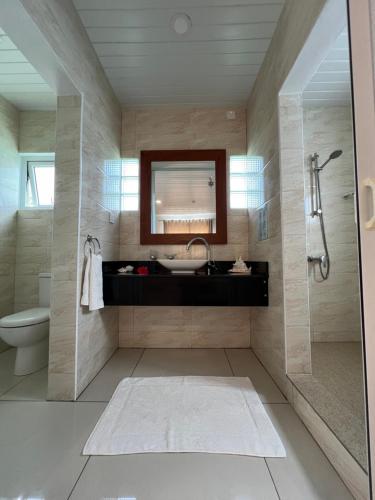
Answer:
[(91, 241)]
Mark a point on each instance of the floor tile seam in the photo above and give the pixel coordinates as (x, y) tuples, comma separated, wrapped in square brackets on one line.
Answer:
[(272, 478), (78, 478), (138, 361)]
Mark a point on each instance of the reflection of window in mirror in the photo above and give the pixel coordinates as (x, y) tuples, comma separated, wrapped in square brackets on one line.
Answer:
[(183, 197)]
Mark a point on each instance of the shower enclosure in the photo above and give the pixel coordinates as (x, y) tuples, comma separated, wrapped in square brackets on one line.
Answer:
[(321, 286), (335, 386)]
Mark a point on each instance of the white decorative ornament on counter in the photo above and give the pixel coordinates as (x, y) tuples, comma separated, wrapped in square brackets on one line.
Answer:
[(240, 267), (127, 269)]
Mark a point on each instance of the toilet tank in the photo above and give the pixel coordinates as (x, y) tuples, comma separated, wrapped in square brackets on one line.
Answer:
[(44, 289)]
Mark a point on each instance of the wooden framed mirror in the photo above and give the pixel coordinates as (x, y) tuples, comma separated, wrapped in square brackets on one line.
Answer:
[(183, 194)]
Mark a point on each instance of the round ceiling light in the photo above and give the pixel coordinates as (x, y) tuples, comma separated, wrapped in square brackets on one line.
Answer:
[(181, 24)]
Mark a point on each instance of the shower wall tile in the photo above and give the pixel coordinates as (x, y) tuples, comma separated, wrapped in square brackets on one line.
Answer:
[(293, 222), (335, 309), (296, 302), (298, 350)]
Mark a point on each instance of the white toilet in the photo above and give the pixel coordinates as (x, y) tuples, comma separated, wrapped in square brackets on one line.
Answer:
[(29, 330)]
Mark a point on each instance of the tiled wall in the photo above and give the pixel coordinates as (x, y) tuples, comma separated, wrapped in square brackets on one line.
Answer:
[(98, 331), (64, 265), (293, 229), (33, 255), (9, 186), (37, 131), (335, 303), (88, 132), (184, 128), (267, 329), (189, 327)]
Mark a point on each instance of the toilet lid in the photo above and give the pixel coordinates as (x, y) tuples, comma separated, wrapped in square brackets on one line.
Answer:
[(25, 318)]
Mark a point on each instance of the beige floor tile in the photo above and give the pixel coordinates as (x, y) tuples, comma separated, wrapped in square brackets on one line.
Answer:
[(119, 366), (33, 387), (179, 362), (41, 445), (175, 477), (244, 363), (7, 377), (305, 474)]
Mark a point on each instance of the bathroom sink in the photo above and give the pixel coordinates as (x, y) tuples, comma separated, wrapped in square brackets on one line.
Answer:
[(182, 266)]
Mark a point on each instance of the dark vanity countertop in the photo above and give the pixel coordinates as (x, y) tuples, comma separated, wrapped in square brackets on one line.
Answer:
[(163, 288), (258, 270)]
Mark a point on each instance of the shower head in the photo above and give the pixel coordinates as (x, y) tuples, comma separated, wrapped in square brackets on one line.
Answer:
[(335, 154), (332, 156)]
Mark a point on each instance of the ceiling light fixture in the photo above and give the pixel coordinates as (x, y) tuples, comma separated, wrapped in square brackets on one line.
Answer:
[(158, 202), (181, 24)]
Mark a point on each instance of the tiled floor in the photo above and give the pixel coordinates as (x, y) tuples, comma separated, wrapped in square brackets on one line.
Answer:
[(335, 390), (40, 444), (31, 387)]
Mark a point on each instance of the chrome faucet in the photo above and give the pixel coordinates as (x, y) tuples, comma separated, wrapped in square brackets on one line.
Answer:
[(206, 244)]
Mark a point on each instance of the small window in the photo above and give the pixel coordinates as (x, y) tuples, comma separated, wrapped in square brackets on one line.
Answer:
[(246, 181), (122, 184), (39, 183)]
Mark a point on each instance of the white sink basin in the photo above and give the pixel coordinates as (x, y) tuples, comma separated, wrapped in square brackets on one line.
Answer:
[(182, 266)]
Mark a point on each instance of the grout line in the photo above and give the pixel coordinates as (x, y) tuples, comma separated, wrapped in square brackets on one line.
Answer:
[(107, 401), (272, 479), (10, 388), (278, 403), (101, 369), (137, 363), (79, 477), (230, 366)]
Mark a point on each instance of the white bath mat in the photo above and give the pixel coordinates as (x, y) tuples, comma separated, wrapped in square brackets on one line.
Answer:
[(185, 414)]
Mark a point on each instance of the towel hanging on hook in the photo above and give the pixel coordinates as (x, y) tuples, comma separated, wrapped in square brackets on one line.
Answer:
[(92, 289), (93, 244)]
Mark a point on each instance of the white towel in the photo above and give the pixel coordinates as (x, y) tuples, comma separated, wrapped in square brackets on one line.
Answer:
[(96, 283), (86, 281), (185, 415), (92, 290)]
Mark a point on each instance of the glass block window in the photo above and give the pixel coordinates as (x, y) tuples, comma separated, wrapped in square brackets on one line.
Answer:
[(246, 181), (122, 184)]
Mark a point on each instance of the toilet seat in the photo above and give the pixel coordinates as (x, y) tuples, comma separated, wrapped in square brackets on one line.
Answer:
[(28, 317)]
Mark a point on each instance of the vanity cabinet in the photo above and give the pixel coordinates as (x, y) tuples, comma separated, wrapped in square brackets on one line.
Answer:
[(163, 288)]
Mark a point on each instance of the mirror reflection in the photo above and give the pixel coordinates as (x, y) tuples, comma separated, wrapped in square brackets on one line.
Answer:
[(183, 197)]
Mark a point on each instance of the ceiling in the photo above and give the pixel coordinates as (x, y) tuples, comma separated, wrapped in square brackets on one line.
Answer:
[(331, 83), (147, 63), (20, 83)]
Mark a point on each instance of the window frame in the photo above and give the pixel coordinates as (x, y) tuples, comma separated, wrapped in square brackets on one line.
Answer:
[(25, 159)]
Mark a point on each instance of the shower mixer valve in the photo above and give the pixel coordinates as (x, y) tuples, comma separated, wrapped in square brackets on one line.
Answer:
[(322, 259)]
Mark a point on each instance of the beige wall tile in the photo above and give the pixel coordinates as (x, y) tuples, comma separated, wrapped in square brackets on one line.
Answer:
[(9, 190), (298, 350), (37, 132), (294, 26), (164, 319)]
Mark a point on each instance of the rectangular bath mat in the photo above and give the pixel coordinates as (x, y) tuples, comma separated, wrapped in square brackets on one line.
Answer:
[(185, 414)]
